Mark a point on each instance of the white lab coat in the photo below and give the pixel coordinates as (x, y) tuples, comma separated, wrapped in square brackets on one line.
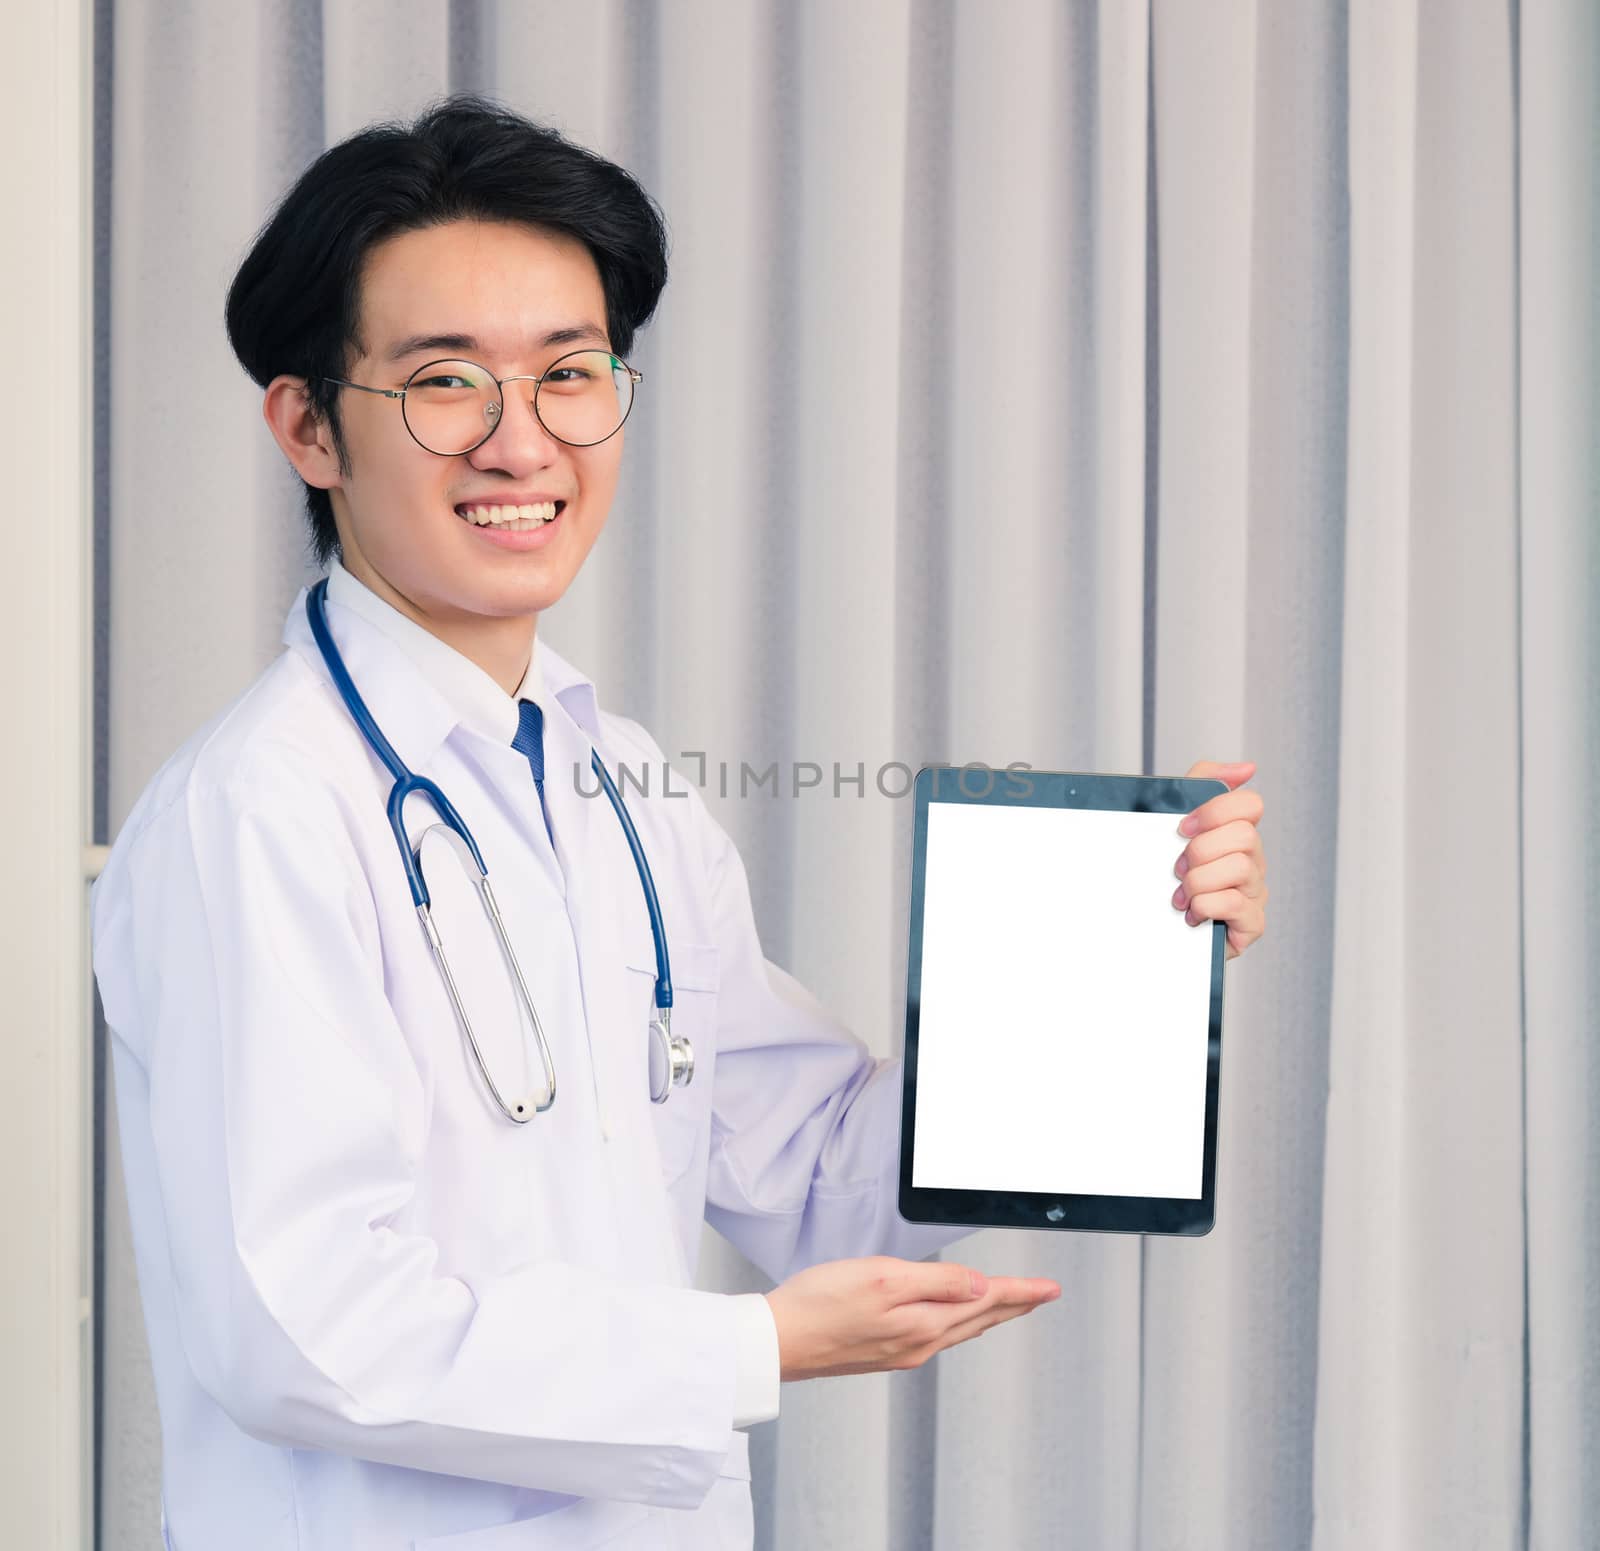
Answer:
[(380, 1315)]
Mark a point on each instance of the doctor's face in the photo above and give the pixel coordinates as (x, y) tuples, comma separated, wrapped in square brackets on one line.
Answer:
[(512, 300)]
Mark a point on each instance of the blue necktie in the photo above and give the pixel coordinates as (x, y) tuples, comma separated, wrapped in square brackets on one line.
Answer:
[(529, 742)]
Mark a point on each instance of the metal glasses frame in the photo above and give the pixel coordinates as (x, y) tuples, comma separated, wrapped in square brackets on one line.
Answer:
[(634, 378)]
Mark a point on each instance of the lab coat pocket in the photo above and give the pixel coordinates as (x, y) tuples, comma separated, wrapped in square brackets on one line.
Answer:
[(683, 1123)]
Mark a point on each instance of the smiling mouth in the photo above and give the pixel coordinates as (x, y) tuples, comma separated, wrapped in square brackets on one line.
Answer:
[(510, 519)]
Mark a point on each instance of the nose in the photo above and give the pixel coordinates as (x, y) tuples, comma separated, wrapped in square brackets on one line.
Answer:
[(519, 444)]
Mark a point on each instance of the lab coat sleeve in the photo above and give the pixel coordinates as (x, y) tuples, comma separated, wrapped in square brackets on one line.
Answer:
[(756, 1392), (804, 1160), (286, 1114)]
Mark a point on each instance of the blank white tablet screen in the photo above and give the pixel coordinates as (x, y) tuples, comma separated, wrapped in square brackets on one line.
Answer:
[(1061, 1042)]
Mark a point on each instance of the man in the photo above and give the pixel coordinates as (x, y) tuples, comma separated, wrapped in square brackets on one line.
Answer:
[(417, 1250)]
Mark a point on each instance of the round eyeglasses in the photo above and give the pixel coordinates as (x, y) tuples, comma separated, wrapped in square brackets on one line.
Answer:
[(452, 407)]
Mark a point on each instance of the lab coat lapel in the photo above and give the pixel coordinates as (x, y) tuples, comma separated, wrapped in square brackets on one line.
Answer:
[(508, 780), (587, 850), (605, 903), (603, 893)]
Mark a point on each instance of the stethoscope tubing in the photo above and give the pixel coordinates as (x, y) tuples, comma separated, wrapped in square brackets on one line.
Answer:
[(406, 782), (677, 1054), (652, 904)]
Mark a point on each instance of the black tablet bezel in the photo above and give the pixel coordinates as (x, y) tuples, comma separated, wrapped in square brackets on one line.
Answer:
[(1021, 787)]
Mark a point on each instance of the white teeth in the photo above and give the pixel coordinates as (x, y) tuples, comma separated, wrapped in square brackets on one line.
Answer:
[(513, 517)]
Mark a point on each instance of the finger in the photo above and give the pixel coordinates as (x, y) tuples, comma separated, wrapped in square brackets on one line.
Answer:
[(933, 1326), (1225, 905), (976, 1324), (1237, 870), (1022, 1289), (934, 1282), (1002, 1291), (1234, 845), (1238, 835), (934, 1316), (1223, 809)]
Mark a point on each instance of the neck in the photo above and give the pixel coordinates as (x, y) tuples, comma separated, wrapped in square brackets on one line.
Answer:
[(502, 647)]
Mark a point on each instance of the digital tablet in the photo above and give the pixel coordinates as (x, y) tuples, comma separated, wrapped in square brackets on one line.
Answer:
[(1063, 1020)]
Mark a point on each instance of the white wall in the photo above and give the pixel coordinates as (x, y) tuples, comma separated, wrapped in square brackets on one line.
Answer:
[(46, 1329)]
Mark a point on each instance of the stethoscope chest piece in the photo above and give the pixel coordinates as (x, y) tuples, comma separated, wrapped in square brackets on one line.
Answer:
[(671, 1058)]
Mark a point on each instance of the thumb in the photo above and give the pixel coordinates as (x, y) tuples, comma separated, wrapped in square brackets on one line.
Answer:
[(1232, 774)]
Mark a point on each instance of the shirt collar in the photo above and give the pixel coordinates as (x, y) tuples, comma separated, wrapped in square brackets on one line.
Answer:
[(478, 702), (462, 694)]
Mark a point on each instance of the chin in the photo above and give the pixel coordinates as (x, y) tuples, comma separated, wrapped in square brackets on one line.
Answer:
[(507, 596)]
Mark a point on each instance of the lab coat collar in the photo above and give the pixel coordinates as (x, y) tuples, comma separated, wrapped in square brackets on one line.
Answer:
[(418, 711)]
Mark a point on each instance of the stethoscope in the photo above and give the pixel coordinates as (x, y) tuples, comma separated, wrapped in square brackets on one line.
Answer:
[(671, 1056)]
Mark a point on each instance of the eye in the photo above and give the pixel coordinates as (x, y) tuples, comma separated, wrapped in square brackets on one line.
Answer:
[(443, 380)]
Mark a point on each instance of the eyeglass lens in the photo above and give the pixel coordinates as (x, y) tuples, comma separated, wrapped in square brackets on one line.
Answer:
[(452, 406)]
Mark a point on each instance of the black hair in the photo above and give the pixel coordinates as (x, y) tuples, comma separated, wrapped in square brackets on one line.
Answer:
[(294, 305)]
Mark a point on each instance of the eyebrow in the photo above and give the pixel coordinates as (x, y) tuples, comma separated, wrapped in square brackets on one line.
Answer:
[(572, 334)]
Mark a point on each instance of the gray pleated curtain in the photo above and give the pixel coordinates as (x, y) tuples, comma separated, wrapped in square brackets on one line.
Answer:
[(1105, 386)]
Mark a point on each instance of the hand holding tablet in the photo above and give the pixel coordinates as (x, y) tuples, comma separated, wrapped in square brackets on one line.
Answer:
[(1063, 1021)]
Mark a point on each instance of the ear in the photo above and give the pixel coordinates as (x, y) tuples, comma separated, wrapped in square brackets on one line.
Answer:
[(307, 442)]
